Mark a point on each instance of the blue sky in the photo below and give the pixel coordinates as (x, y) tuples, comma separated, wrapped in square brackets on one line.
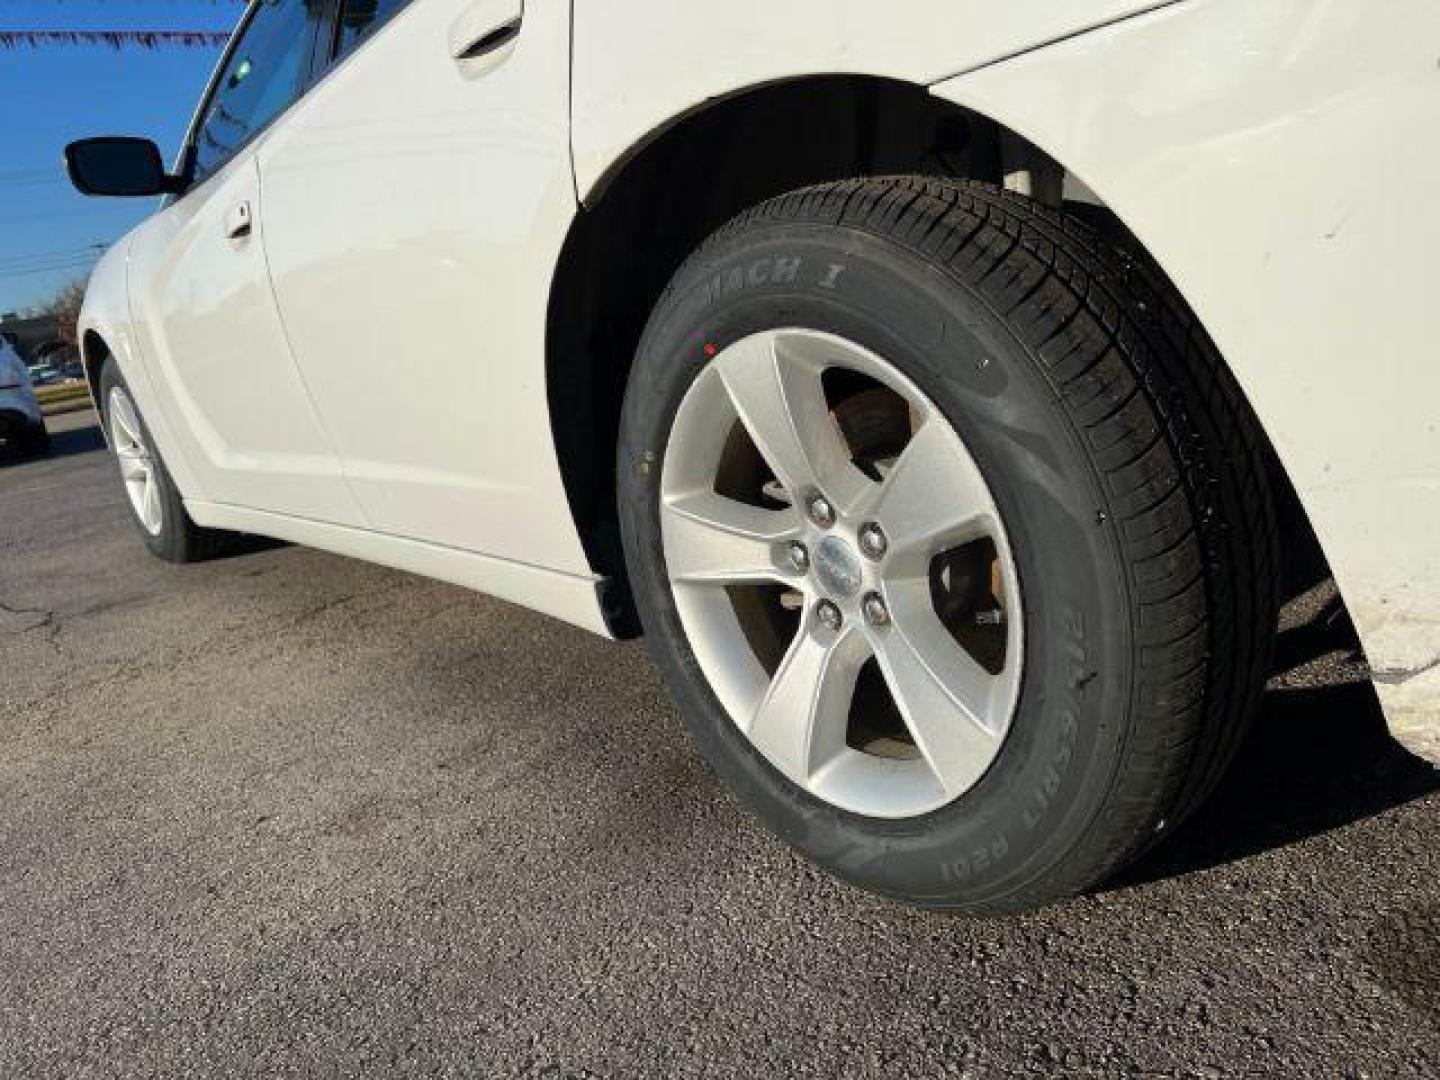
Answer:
[(52, 95)]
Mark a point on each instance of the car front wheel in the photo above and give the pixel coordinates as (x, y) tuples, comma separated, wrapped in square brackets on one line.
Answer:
[(955, 552)]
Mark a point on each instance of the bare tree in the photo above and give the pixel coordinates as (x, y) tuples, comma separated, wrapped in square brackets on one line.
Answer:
[(64, 308)]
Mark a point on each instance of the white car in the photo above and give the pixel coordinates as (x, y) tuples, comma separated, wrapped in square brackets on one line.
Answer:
[(22, 424), (924, 379)]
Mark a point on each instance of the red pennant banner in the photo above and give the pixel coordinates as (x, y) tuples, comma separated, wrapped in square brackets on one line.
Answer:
[(115, 39)]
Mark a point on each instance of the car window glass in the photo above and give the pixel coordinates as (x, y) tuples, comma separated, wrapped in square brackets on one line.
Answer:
[(264, 75), (359, 18)]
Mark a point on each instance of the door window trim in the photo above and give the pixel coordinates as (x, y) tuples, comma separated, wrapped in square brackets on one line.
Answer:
[(333, 57), (314, 68)]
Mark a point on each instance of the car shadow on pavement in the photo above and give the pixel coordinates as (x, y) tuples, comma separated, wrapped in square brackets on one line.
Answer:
[(1318, 759), (1319, 756), (64, 443), (80, 441)]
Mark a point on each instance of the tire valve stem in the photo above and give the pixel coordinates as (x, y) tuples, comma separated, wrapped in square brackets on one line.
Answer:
[(992, 617)]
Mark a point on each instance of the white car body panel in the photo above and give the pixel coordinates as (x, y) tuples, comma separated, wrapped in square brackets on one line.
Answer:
[(640, 65), (413, 224), (1276, 159), (572, 597), (210, 334), (438, 233)]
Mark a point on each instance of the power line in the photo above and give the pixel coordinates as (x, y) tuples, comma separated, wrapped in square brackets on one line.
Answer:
[(54, 177), (7, 175), (14, 262), (98, 208), (80, 264)]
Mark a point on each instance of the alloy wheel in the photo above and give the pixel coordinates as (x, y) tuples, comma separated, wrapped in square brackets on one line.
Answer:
[(137, 466), (842, 573)]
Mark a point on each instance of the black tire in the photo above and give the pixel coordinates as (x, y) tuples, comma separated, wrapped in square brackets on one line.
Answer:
[(34, 443), (180, 540), (1128, 469), (19, 439), (37, 442)]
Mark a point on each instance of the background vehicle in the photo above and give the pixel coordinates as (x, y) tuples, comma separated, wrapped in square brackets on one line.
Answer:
[(60, 361), (22, 425), (45, 375), (926, 383)]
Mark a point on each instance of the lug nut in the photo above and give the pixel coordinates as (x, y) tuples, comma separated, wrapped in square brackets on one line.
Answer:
[(821, 512), (799, 557), (876, 613), (828, 615), (872, 541)]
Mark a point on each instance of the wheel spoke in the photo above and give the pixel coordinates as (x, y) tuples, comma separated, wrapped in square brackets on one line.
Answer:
[(781, 402), (934, 497), (800, 722), (123, 414), (151, 503), (708, 537), (943, 693), (132, 464)]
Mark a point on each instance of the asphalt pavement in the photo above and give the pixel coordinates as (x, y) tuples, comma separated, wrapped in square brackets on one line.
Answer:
[(291, 814)]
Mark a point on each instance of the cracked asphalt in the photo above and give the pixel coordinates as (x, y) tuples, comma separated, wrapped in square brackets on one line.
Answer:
[(289, 814)]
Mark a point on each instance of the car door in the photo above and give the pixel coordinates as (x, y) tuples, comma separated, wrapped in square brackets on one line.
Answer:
[(209, 329), (416, 203)]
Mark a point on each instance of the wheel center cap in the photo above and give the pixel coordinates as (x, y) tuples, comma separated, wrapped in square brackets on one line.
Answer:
[(838, 567)]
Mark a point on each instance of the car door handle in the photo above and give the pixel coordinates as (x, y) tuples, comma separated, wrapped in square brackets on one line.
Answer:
[(485, 27), (238, 222)]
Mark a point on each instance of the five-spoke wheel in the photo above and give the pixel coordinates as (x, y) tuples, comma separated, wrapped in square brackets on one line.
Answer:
[(137, 467), (842, 572), (155, 502)]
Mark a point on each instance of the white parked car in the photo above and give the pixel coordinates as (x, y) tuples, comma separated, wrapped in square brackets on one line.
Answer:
[(22, 424), (923, 379)]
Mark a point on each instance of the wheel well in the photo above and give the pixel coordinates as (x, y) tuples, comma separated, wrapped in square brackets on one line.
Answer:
[(656, 206), (93, 353)]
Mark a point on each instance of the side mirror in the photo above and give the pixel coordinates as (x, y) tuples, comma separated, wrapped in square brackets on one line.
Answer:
[(116, 165)]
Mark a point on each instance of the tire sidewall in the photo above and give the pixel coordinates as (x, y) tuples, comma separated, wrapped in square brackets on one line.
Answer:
[(1051, 776)]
